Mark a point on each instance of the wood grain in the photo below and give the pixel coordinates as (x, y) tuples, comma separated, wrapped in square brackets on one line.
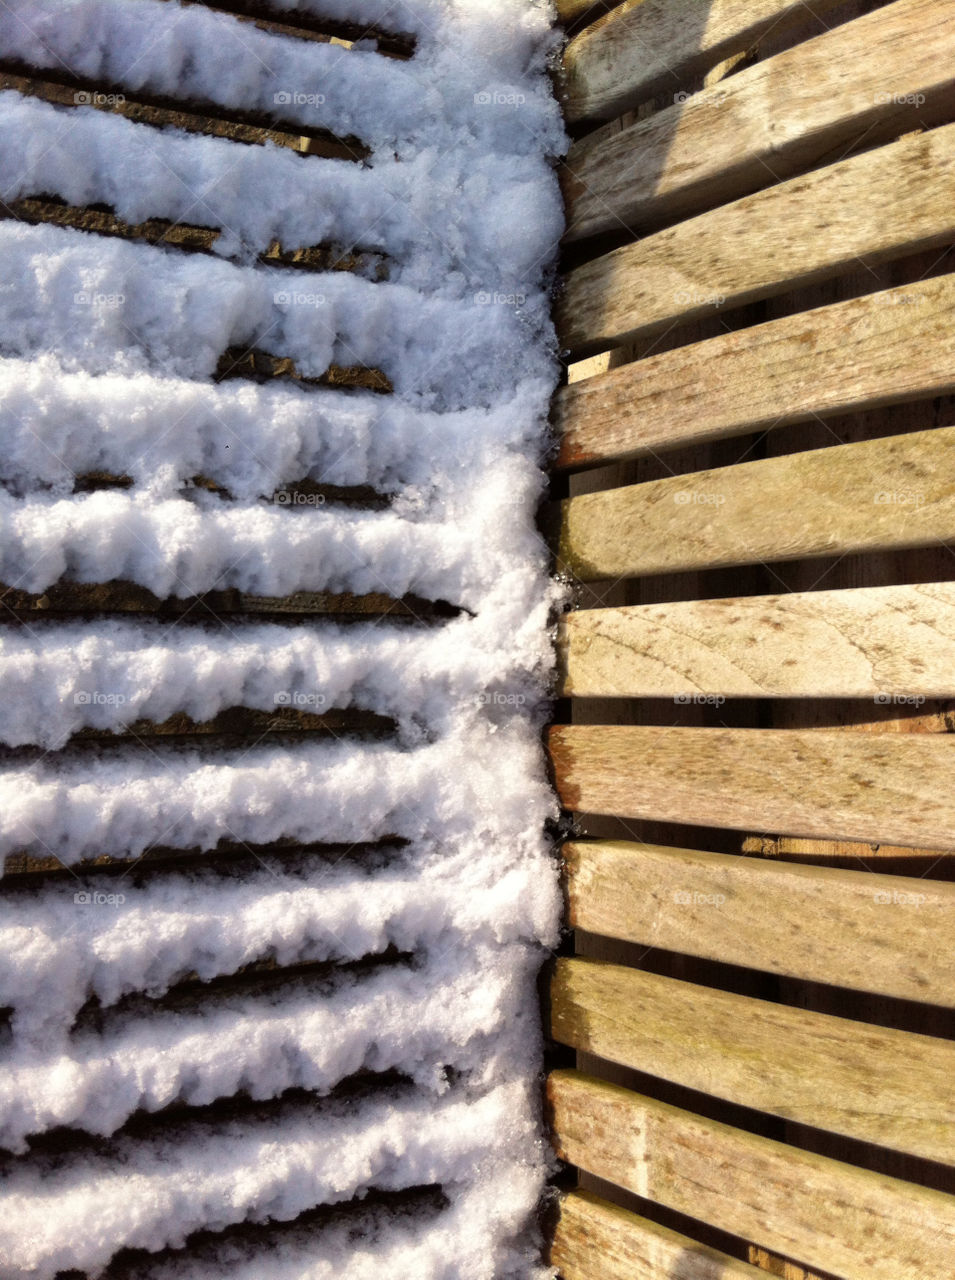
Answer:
[(866, 353), (894, 645), (876, 1084), (569, 10), (878, 206), (596, 1240), (884, 788), (874, 495), (644, 47), (887, 934), (860, 1225), (880, 75)]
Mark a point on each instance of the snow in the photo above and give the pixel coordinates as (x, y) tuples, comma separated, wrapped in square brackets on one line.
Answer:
[(190, 1031)]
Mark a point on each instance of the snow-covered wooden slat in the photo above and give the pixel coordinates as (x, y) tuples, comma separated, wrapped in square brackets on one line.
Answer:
[(188, 237), (875, 495), (890, 935), (884, 348), (859, 1224), (876, 1084), (596, 1240), (209, 118), (883, 788), (118, 597), (769, 121), (765, 244), (879, 642), (302, 23), (645, 47)]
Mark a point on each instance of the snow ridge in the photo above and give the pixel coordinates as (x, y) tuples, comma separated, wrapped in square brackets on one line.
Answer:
[(323, 991)]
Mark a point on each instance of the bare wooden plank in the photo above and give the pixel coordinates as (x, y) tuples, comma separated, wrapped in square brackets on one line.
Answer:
[(877, 206), (887, 934), (873, 495), (881, 349), (884, 788), (596, 1240), (769, 121), (892, 644), (644, 47), (876, 1084), (861, 1225)]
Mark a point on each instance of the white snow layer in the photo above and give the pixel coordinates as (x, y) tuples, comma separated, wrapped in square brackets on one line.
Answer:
[(394, 897)]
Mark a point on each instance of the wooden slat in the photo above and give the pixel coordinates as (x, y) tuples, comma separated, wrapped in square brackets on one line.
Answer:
[(596, 1240), (887, 934), (645, 47), (881, 349), (570, 10), (208, 118), (875, 495), (876, 1084), (187, 237), (769, 121), (883, 643), (67, 598), (302, 25), (884, 788), (860, 1225), (877, 206)]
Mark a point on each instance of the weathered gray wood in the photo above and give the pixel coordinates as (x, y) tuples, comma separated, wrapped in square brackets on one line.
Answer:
[(875, 495), (878, 206), (884, 788), (879, 75), (891, 935), (895, 645), (644, 47), (860, 1225), (866, 353), (876, 1084), (596, 1240)]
